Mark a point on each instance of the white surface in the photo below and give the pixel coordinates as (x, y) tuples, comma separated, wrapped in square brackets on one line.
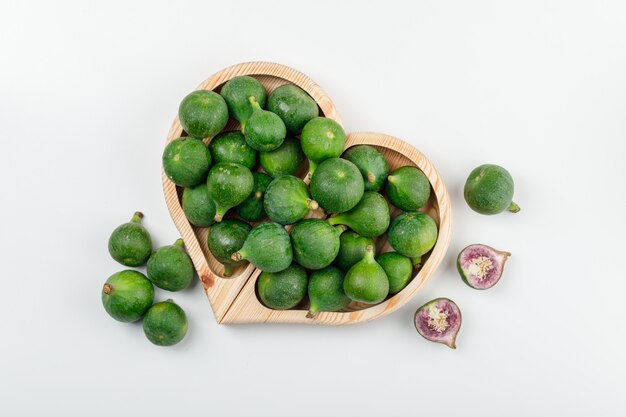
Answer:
[(88, 92)]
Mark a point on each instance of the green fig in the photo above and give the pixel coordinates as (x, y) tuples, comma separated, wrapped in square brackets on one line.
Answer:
[(186, 161), (237, 93), (399, 270), (130, 243), (352, 249), (268, 247), (224, 239), (252, 207), (203, 113), (315, 243), (366, 281), (408, 188), (337, 185), (165, 324), (287, 159), (369, 218), (321, 139), (371, 163), (284, 289), (127, 295), (287, 200), (232, 147), (294, 106), (489, 190), (198, 206), (264, 131), (412, 234), (326, 291), (229, 185), (170, 268)]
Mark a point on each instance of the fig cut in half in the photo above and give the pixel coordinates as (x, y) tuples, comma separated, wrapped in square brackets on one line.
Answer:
[(481, 266), (439, 321)]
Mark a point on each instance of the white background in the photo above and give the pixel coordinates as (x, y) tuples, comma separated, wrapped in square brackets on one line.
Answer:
[(87, 94)]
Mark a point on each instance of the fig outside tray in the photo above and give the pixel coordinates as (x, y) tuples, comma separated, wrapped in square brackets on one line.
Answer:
[(234, 299)]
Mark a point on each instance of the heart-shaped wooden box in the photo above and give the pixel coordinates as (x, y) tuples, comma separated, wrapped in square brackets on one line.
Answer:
[(234, 299)]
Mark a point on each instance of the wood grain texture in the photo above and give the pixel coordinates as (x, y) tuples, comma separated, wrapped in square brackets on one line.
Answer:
[(221, 290), (247, 308)]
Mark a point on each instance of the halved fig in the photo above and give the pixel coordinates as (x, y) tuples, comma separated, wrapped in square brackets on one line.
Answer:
[(481, 266), (439, 321)]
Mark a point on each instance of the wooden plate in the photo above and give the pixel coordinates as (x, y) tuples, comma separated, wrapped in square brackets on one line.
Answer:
[(234, 299)]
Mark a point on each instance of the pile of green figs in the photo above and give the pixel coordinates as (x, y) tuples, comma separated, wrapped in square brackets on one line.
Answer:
[(128, 295), (247, 187), (315, 241)]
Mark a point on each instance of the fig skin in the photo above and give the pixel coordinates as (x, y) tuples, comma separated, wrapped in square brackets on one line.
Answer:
[(366, 281), (315, 243), (399, 270), (326, 291), (413, 234), (130, 243), (170, 268), (321, 139), (287, 159), (408, 188), (127, 295), (251, 209), (165, 323), (287, 200), (369, 218), (372, 164), (198, 206), (232, 147), (294, 106), (284, 289), (224, 239), (268, 247), (264, 131), (439, 321), (229, 185), (481, 266), (186, 161), (203, 113), (237, 93), (489, 190), (337, 185), (352, 249)]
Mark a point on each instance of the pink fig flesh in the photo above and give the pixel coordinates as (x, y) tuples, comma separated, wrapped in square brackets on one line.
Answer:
[(481, 266), (439, 321)]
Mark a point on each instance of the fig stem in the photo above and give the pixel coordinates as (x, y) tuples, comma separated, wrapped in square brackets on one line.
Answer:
[(228, 270), (179, 242), (312, 167), (236, 256), (417, 261), (108, 288), (311, 314), (513, 208), (341, 228), (334, 220), (255, 104), (218, 217), (313, 205), (137, 217), (371, 178)]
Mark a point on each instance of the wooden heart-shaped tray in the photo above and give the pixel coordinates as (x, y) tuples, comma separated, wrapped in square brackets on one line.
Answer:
[(234, 299)]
